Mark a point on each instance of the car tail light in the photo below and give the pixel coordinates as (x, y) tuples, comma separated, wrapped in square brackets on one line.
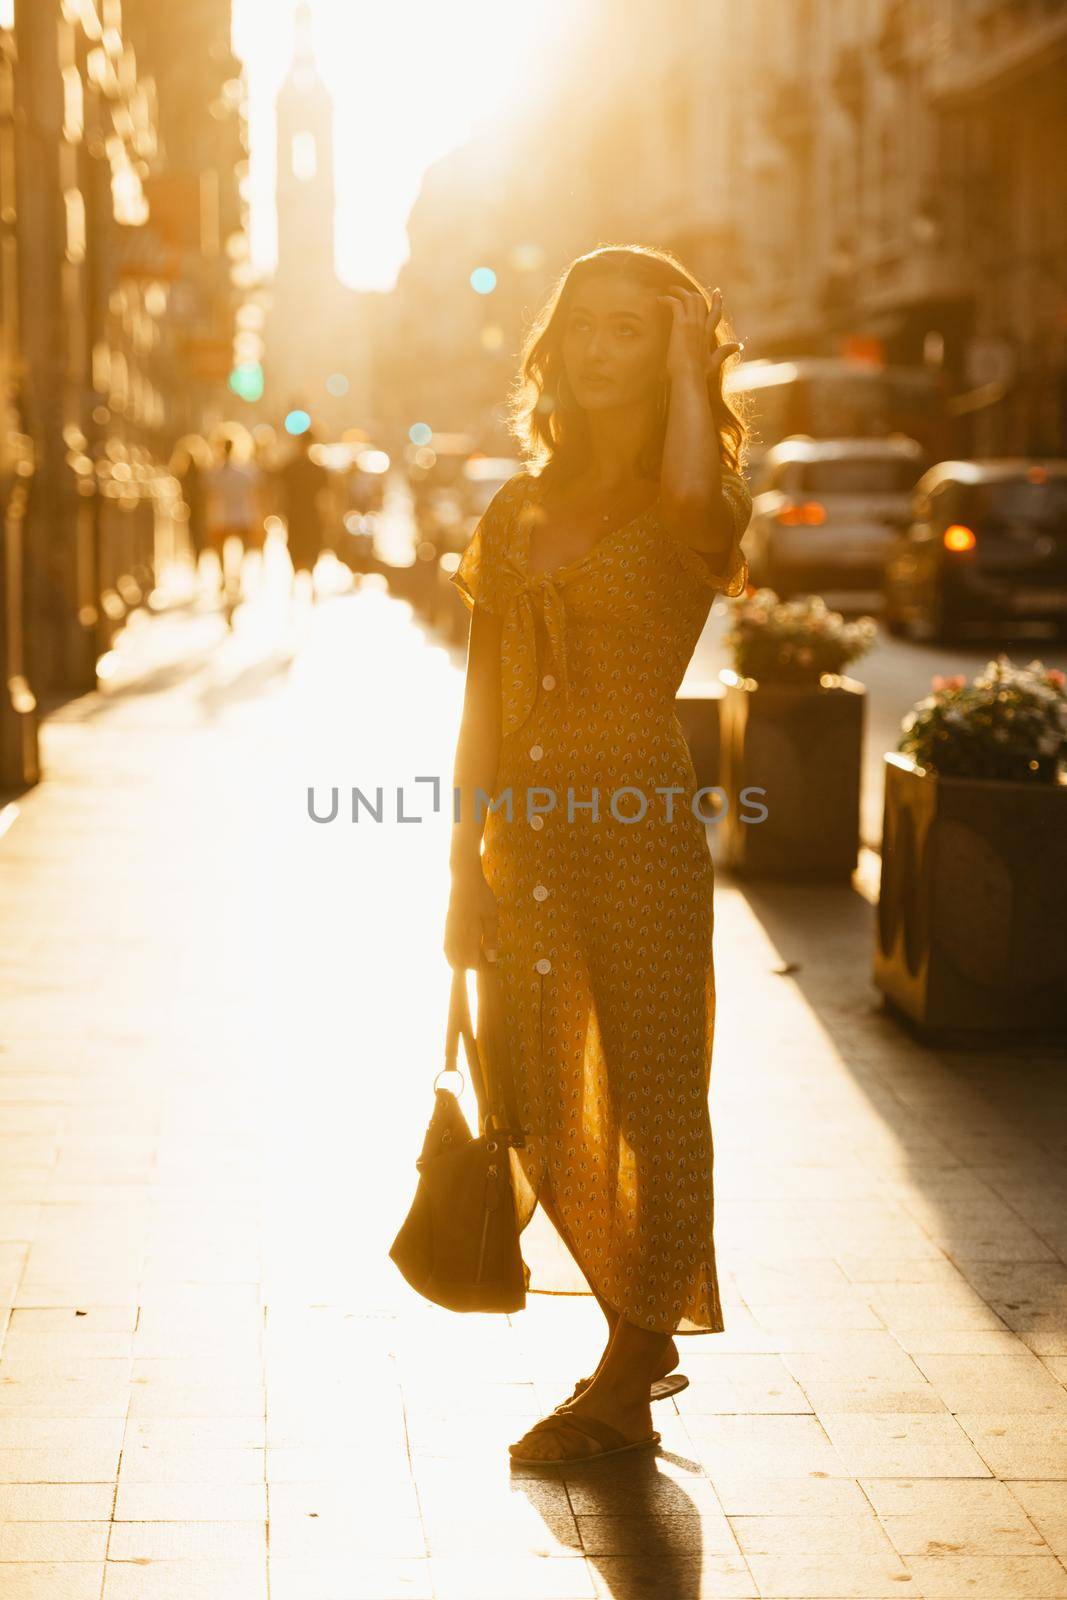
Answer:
[(810, 514), (957, 537)]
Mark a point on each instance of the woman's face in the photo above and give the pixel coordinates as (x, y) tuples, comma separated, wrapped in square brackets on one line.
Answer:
[(614, 342)]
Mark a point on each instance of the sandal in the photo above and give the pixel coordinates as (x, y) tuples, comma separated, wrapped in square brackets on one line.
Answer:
[(581, 1429), (662, 1389)]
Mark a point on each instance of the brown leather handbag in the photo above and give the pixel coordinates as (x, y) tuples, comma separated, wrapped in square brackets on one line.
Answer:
[(459, 1244)]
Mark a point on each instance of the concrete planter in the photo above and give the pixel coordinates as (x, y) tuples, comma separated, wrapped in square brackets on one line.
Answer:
[(802, 744), (972, 913)]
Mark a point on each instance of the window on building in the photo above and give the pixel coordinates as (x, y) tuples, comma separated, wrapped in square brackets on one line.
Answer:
[(305, 163)]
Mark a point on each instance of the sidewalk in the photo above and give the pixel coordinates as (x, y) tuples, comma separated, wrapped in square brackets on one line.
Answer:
[(222, 1020)]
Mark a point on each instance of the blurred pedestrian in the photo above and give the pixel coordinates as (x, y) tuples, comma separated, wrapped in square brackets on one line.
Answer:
[(234, 511), (191, 464), (305, 487)]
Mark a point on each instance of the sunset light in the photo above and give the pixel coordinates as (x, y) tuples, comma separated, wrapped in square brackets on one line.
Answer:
[(408, 83)]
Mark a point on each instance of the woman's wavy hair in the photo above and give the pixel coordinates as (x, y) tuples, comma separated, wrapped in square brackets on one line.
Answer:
[(552, 430)]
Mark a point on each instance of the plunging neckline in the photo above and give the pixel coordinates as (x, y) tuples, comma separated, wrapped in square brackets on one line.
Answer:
[(537, 496)]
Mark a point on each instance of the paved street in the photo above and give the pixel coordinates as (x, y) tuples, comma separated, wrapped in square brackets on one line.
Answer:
[(222, 1020)]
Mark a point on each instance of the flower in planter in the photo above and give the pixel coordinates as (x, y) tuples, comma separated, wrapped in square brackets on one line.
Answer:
[(1008, 723), (793, 641)]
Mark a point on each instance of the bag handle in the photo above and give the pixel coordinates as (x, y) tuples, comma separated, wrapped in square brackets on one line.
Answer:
[(460, 1025)]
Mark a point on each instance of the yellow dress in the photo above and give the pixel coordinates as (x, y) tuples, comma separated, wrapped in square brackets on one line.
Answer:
[(605, 898)]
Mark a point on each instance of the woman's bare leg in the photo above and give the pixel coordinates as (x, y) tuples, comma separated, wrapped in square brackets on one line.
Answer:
[(618, 1394), (668, 1358)]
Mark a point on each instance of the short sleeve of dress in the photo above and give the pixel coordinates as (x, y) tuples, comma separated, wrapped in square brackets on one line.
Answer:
[(733, 580), (478, 575)]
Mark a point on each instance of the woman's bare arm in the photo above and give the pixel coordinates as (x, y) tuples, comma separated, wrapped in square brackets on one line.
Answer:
[(472, 922), (692, 503)]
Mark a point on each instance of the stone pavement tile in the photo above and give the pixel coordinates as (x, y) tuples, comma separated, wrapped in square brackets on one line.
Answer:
[(757, 1383), (1002, 1383), (944, 1577), (834, 1312), (779, 1444), (863, 1268), (1022, 1285), (741, 1494), (79, 1321), (56, 1502), (194, 1433), (244, 1541), (925, 1516), (488, 1577), (54, 1397), (423, 1395), (469, 1523), (960, 1341), (339, 1498), (705, 1577), (1045, 1503), (191, 1502), (821, 1555), (32, 1349), (779, 1281), (1044, 1343), (385, 1459), (209, 1465), (358, 1535), (906, 1445), (191, 1372), (75, 1433), (881, 1380), (930, 1305), (666, 1535), (53, 1464), (1005, 1238), (51, 1580), (1019, 1445), (383, 1578), (53, 1541), (147, 1400), (652, 1487), (185, 1580), (1057, 1365)]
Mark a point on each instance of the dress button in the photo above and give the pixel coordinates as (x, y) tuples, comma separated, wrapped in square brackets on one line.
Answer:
[(536, 752), (548, 681), (543, 965), (537, 822), (540, 893)]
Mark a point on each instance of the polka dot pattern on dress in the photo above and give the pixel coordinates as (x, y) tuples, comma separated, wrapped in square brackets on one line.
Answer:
[(606, 910)]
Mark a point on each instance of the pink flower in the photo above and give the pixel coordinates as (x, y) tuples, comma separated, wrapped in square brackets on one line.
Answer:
[(1056, 677)]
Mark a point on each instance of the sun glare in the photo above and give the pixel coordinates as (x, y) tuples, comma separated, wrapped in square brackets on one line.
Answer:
[(408, 83)]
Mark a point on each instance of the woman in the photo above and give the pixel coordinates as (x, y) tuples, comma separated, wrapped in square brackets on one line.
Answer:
[(589, 583)]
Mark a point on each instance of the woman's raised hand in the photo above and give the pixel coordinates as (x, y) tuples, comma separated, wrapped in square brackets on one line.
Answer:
[(693, 348)]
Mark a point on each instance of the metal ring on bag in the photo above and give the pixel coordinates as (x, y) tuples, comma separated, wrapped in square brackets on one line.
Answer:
[(459, 1075)]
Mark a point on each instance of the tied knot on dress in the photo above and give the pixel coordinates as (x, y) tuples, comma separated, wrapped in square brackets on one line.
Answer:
[(530, 597)]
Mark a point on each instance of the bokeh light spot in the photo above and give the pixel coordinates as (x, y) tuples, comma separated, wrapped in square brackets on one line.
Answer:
[(297, 422), (483, 280), (337, 385), (420, 433)]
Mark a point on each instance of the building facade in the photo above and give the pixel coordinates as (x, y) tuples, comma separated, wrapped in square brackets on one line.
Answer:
[(104, 299)]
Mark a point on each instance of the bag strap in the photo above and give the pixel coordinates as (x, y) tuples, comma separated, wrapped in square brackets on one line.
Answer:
[(460, 1025)]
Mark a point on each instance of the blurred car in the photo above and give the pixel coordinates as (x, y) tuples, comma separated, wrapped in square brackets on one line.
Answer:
[(825, 512), (986, 542), (452, 516), (482, 477)]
